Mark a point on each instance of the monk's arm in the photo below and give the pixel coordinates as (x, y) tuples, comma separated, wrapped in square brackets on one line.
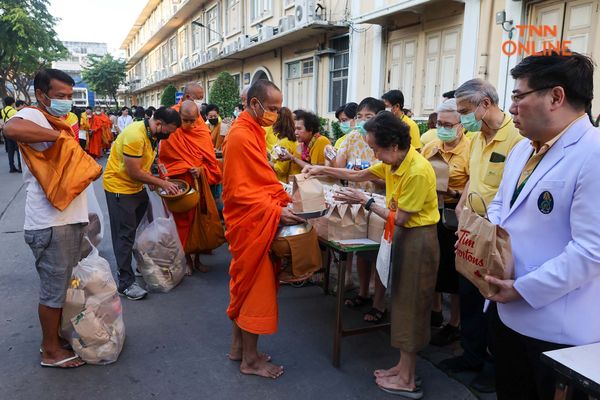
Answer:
[(25, 131)]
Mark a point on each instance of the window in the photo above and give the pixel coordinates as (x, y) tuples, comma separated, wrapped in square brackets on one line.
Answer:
[(237, 78), (212, 19), (165, 56), (299, 91), (196, 38), (233, 16), (183, 51), (338, 75), (173, 47), (260, 9)]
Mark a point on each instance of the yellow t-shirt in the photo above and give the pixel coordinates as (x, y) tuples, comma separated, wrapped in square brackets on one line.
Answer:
[(486, 164), (317, 154), (458, 163), (340, 141), (282, 168), (133, 141), (428, 136), (415, 133), (270, 137), (411, 188)]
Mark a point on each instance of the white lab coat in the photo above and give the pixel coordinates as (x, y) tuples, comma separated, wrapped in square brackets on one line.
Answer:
[(557, 253)]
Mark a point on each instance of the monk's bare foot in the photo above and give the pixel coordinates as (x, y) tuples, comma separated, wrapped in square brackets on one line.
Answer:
[(190, 266), (383, 373), (261, 368), (198, 266)]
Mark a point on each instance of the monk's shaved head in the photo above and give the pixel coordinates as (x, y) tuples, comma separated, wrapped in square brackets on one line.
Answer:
[(189, 114), (193, 91)]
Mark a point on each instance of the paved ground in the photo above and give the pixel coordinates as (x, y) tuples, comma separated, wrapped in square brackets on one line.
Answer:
[(176, 342)]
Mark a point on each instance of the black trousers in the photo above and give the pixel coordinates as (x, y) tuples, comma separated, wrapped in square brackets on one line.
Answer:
[(125, 214), (13, 148), (82, 143), (520, 373), (474, 324)]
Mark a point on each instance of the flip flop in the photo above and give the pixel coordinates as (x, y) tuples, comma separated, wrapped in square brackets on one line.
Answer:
[(409, 394), (59, 364), (418, 380)]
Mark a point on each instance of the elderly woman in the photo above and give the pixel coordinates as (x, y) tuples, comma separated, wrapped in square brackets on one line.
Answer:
[(411, 194), (453, 146), (311, 144)]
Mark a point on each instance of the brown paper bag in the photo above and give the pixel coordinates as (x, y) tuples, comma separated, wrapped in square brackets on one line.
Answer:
[(360, 226), (307, 194), (74, 304), (375, 227), (341, 223), (90, 327), (442, 172), (482, 249)]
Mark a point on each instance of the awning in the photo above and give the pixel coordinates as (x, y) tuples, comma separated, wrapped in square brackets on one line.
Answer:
[(382, 15)]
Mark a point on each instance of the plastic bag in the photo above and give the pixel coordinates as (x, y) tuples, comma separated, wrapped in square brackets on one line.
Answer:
[(92, 318), (95, 227), (384, 256), (158, 250)]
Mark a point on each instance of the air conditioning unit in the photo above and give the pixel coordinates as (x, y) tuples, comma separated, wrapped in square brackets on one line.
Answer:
[(304, 12), (204, 58), (196, 61), (234, 46), (243, 42), (213, 54), (265, 33), (287, 23)]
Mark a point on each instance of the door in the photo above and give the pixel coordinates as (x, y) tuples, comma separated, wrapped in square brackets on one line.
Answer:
[(299, 85)]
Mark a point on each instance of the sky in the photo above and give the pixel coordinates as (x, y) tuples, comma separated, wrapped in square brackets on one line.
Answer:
[(104, 21)]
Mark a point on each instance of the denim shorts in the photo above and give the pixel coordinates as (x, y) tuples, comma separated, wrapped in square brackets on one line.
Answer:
[(56, 250)]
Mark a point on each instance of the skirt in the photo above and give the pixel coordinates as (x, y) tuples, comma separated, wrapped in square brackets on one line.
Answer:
[(415, 260)]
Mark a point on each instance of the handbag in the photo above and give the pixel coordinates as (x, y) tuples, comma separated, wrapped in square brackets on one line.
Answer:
[(206, 232), (449, 218)]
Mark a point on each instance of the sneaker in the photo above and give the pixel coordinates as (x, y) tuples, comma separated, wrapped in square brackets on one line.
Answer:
[(447, 335), (134, 292), (459, 364), (437, 319)]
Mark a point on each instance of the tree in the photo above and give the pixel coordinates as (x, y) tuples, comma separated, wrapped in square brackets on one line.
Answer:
[(104, 74), (167, 98), (225, 93), (28, 44)]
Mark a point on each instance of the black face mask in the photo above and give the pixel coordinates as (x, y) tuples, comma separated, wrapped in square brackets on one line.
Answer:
[(213, 121), (162, 135)]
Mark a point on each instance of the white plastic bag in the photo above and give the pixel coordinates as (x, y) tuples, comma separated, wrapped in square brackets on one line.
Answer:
[(95, 228), (384, 256), (92, 318), (157, 249)]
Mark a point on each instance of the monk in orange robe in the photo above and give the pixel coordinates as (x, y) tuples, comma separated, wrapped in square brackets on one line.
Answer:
[(182, 154), (95, 134), (255, 205), (107, 136)]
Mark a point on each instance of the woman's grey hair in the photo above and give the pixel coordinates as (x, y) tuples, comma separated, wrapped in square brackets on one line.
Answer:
[(448, 106), (475, 90)]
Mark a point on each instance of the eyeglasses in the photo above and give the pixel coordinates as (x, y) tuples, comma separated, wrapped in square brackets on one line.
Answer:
[(447, 126), (516, 98)]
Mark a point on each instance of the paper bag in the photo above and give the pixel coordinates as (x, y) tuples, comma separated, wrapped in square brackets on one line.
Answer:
[(482, 249), (340, 223), (442, 172), (307, 194), (74, 304), (375, 227), (360, 226), (89, 326)]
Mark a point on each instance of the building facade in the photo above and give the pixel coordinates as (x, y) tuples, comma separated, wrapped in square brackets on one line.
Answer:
[(325, 53)]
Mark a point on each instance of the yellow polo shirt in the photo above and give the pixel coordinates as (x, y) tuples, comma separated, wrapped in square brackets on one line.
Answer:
[(411, 188), (458, 163), (270, 137), (133, 141), (486, 164), (282, 168), (415, 133), (428, 136)]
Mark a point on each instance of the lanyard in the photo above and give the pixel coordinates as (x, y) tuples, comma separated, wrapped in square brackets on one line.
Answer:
[(520, 187), (153, 142)]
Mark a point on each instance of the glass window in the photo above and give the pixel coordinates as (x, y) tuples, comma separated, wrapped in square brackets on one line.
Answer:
[(307, 67), (165, 56), (173, 46), (233, 16), (212, 17), (338, 78), (259, 9), (183, 43), (293, 70), (196, 38)]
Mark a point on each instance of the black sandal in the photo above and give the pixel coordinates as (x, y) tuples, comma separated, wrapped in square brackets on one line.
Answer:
[(377, 315), (357, 301)]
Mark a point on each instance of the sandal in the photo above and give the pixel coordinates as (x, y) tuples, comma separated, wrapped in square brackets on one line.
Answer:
[(357, 301), (377, 315)]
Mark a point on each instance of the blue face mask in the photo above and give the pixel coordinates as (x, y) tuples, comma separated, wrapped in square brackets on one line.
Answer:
[(360, 127), (345, 127), (446, 134), (470, 122), (58, 107)]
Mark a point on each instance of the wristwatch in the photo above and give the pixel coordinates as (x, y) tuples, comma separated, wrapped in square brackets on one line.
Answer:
[(369, 203)]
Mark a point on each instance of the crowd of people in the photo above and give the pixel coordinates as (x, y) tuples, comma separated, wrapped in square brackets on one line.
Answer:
[(532, 168)]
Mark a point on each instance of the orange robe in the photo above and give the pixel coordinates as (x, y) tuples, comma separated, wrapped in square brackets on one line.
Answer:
[(253, 199), (107, 136), (95, 135), (180, 152)]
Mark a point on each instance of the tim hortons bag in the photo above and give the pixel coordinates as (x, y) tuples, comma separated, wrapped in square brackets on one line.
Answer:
[(482, 249), (307, 194)]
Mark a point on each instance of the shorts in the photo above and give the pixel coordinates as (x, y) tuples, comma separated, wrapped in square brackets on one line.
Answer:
[(56, 250)]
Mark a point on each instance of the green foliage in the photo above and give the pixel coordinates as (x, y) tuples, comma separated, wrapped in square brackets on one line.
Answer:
[(28, 43), (224, 93), (336, 130), (104, 74), (422, 127), (167, 98), (324, 127)]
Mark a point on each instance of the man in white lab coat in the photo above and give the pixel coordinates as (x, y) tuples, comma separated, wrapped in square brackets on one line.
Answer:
[(547, 201)]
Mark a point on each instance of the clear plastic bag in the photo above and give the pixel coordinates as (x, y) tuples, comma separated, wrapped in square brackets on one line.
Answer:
[(92, 318), (157, 249), (95, 227)]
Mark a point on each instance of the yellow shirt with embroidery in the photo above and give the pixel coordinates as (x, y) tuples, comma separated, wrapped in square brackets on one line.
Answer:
[(133, 142), (458, 163), (355, 148), (415, 133), (317, 154), (411, 188), (486, 163), (282, 168)]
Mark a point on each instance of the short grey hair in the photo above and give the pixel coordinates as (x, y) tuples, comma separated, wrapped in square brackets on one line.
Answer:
[(447, 106), (475, 90)]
